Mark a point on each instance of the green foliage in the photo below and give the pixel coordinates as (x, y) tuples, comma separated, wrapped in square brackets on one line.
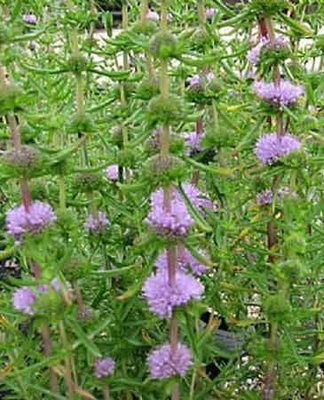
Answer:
[(268, 298)]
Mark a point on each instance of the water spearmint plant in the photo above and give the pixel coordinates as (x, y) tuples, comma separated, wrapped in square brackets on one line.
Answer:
[(160, 200)]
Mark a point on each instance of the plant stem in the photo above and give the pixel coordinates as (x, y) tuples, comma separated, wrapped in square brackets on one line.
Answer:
[(48, 350), (270, 379), (201, 12), (68, 370), (106, 392), (143, 10)]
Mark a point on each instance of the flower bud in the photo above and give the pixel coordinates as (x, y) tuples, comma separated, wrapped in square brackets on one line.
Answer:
[(148, 89), (88, 182), (269, 7), (117, 135), (163, 45), (10, 97), (146, 28), (277, 308), (81, 124), (165, 111), (77, 64), (24, 161), (126, 157), (163, 172)]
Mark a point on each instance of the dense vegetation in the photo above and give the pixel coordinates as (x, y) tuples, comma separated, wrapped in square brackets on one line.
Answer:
[(161, 222)]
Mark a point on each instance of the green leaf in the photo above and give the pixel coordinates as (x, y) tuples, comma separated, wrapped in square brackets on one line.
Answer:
[(83, 337)]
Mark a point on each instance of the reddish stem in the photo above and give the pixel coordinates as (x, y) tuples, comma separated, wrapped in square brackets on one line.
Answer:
[(26, 197), (263, 27)]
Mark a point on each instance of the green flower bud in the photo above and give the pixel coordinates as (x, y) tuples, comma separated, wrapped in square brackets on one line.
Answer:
[(117, 135), (292, 270), (165, 111), (164, 172), (277, 308), (61, 167), (269, 7), (77, 64), (127, 157), (88, 182), (51, 304), (163, 45), (201, 39), (81, 124), (148, 89), (146, 28), (10, 99)]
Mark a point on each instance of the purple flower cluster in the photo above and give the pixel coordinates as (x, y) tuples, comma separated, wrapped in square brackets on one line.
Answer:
[(193, 142), (25, 298), (104, 367), (283, 94), (254, 54), (165, 363), (210, 12), (112, 172), (30, 19), (152, 15), (196, 81), (277, 44), (185, 261), (36, 219), (162, 297), (271, 147), (267, 196), (96, 223), (197, 198), (176, 221)]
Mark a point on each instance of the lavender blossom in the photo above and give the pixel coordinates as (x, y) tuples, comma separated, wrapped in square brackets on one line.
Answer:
[(193, 142), (104, 367), (34, 220), (283, 94), (96, 223), (271, 147), (112, 172), (164, 363), (254, 54), (176, 221), (284, 192), (162, 297), (152, 15), (196, 197), (185, 261), (24, 299), (30, 19), (210, 76), (276, 44), (194, 81), (267, 196), (55, 284), (210, 12)]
